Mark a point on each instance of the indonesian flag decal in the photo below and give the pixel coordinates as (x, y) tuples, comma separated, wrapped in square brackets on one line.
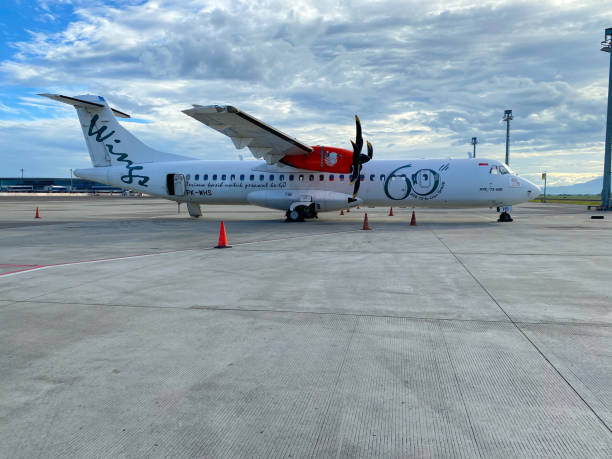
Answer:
[(483, 164)]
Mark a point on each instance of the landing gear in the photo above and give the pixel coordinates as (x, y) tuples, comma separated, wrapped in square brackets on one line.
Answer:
[(504, 217), (295, 215), (299, 213)]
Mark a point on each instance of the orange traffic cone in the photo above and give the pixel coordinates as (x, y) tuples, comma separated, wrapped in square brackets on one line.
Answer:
[(413, 219), (390, 211), (37, 214), (342, 212), (222, 238), (366, 226), (348, 210)]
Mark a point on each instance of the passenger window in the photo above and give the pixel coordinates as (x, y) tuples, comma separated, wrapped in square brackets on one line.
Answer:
[(251, 177), (342, 177), (331, 177), (232, 177), (291, 177), (311, 178), (223, 177), (382, 177), (301, 178), (241, 177), (271, 177), (188, 176), (197, 177), (214, 176), (321, 177), (281, 178), (372, 176), (205, 177), (261, 178)]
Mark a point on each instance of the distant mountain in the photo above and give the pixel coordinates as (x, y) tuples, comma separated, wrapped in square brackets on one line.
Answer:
[(591, 187)]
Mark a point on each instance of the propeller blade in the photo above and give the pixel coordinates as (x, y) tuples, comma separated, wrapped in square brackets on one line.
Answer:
[(357, 147), (357, 183), (358, 137), (370, 149)]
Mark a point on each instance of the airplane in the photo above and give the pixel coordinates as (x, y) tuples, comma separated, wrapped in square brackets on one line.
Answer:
[(289, 175)]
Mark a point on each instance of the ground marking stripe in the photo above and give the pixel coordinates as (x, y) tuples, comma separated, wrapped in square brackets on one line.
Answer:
[(100, 260)]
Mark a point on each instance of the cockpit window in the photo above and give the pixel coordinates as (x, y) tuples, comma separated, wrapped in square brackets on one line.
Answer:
[(503, 170), (494, 170)]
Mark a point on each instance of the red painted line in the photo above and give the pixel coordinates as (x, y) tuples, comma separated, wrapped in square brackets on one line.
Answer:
[(10, 265)]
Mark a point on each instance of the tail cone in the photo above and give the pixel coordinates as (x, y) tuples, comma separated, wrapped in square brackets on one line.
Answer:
[(222, 238), (366, 226), (413, 219)]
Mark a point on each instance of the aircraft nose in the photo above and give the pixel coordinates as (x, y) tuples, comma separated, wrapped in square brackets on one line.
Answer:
[(533, 191)]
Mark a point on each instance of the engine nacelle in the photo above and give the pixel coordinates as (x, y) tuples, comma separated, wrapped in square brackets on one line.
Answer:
[(322, 159), (283, 199)]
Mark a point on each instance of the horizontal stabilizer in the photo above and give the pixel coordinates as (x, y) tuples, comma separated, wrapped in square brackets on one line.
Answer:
[(84, 103)]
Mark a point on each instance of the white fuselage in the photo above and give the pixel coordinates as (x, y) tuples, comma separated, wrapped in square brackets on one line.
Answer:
[(420, 182)]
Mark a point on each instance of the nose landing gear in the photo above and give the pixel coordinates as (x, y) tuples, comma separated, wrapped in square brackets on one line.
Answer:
[(504, 215)]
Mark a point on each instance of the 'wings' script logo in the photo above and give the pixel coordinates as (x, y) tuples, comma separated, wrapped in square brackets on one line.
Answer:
[(121, 157)]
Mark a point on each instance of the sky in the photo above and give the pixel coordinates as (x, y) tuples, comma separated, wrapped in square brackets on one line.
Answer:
[(424, 77)]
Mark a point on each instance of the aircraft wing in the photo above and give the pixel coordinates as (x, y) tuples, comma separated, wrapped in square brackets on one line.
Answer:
[(247, 131)]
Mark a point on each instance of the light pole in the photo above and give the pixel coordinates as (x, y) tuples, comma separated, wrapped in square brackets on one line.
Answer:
[(507, 118), (606, 46), (71, 180), (21, 173), (474, 142), (544, 178)]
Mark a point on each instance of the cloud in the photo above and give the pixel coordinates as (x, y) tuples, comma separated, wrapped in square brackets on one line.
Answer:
[(424, 77)]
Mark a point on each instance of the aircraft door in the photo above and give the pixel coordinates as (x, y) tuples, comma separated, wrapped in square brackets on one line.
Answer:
[(175, 184)]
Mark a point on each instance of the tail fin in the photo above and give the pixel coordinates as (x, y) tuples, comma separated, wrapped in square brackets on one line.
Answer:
[(109, 143)]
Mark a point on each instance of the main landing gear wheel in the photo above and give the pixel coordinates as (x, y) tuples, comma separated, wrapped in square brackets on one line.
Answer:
[(504, 217), (295, 215)]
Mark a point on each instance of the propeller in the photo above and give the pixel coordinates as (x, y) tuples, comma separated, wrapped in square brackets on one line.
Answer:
[(358, 158)]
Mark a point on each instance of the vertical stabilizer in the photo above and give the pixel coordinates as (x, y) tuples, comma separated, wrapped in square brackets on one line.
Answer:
[(109, 143)]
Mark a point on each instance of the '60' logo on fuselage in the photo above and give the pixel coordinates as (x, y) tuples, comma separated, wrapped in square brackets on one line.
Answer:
[(422, 184)]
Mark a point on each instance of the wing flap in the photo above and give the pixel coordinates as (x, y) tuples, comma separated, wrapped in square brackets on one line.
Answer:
[(247, 131)]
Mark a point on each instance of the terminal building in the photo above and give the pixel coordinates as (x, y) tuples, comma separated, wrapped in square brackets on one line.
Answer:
[(50, 184)]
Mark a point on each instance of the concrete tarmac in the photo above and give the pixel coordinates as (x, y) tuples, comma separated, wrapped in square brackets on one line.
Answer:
[(124, 333)]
